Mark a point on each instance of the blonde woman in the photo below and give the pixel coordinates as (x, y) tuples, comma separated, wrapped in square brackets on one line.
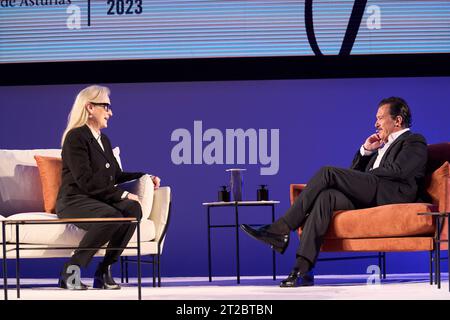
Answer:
[(89, 177)]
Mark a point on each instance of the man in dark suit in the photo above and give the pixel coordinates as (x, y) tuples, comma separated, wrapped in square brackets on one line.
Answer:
[(388, 168)]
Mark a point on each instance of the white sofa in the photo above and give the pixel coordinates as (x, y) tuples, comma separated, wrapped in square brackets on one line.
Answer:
[(21, 198)]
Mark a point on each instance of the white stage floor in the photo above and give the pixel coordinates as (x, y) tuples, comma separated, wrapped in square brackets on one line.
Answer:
[(328, 287)]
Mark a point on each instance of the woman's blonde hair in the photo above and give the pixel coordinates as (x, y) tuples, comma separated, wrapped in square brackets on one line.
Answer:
[(78, 116)]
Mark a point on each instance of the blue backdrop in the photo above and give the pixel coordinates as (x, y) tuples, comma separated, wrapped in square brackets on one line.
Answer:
[(321, 122)]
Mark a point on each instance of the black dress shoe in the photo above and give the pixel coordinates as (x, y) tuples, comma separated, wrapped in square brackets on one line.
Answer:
[(278, 242), (298, 279), (103, 279)]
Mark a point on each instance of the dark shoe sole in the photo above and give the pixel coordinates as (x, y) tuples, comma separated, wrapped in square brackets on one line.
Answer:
[(280, 250), (63, 285), (101, 285), (304, 284)]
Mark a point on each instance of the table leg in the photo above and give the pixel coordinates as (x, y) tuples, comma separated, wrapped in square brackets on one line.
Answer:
[(209, 244), (139, 259), (17, 262), (273, 252), (237, 245), (5, 265)]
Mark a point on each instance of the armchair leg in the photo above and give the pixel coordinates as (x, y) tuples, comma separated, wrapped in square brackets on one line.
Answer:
[(380, 264), (437, 254), (431, 266), (435, 264), (438, 269)]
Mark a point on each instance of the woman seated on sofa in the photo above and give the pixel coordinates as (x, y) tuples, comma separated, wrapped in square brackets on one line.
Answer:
[(89, 177)]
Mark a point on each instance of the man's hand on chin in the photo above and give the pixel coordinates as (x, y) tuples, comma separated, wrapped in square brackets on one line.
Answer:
[(373, 142)]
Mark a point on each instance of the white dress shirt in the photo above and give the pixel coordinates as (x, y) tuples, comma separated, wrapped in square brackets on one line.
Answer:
[(97, 137), (382, 150)]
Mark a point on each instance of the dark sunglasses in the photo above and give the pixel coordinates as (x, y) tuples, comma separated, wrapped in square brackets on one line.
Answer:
[(105, 106)]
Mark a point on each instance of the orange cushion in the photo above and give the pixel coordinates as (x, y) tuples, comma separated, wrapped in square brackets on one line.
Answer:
[(392, 220), (50, 169)]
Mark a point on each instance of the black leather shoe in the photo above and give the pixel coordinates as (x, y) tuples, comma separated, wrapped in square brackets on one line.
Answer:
[(298, 279), (278, 242), (67, 280), (103, 279)]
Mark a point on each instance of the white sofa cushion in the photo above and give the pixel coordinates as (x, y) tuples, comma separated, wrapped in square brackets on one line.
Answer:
[(147, 231), (58, 234), (20, 184), (144, 189), (61, 234)]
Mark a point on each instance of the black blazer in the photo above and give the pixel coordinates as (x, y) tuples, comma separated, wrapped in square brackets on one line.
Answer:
[(88, 170), (401, 170)]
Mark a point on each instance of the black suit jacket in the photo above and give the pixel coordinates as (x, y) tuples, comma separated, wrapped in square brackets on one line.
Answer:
[(90, 171), (401, 170)]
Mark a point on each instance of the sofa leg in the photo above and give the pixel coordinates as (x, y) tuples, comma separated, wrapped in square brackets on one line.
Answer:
[(159, 270), (121, 269), (431, 266), (380, 264), (154, 270), (126, 269)]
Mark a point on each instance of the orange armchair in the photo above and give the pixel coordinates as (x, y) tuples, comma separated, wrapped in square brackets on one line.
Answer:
[(394, 227)]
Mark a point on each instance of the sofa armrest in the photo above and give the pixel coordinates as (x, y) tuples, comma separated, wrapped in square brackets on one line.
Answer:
[(295, 190), (160, 211)]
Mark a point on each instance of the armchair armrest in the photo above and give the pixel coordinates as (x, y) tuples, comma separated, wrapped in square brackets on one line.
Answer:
[(444, 206), (295, 190), (446, 199), (161, 211)]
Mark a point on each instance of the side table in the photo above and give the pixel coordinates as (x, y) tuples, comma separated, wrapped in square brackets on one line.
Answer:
[(437, 216), (236, 205)]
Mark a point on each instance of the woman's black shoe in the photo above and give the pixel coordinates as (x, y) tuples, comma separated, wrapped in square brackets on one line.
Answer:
[(103, 279), (71, 280), (62, 283)]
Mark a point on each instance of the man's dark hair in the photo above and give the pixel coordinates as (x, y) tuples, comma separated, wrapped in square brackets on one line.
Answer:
[(398, 107)]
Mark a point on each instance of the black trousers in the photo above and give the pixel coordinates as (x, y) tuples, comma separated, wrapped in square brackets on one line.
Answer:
[(98, 234), (328, 190)]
